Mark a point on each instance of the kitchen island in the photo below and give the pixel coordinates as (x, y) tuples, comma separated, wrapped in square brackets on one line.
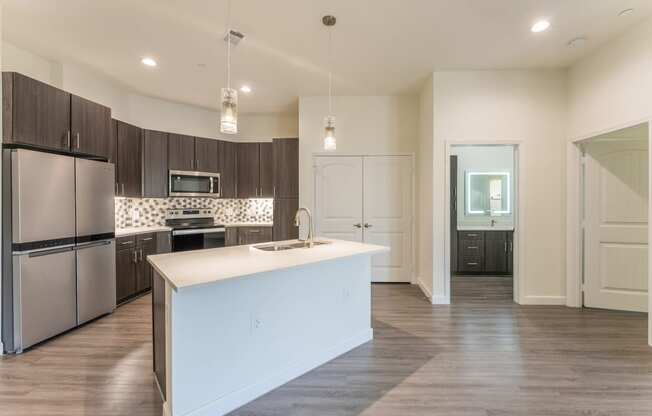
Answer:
[(231, 324)]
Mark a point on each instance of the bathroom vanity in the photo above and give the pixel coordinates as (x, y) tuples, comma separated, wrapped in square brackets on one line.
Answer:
[(485, 250)]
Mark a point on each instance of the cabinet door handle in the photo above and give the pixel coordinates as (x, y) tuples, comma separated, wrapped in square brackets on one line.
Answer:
[(124, 243), (472, 247), (135, 256), (472, 264), (197, 163), (274, 191), (254, 231), (367, 225), (357, 225), (148, 239), (141, 254), (68, 139), (77, 135), (123, 189), (472, 235), (505, 246)]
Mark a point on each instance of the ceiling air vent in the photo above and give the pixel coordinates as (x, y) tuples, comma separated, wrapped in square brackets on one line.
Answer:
[(236, 37)]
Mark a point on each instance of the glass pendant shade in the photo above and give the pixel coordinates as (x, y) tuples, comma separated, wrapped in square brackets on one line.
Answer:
[(229, 113), (329, 134)]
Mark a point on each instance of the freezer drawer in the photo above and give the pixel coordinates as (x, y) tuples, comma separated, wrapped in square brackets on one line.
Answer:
[(95, 183), (95, 280), (42, 196), (45, 302)]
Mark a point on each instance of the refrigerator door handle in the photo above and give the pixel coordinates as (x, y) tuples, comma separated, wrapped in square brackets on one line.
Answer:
[(92, 244), (40, 253)]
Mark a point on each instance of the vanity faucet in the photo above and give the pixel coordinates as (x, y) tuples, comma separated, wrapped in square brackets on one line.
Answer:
[(311, 227)]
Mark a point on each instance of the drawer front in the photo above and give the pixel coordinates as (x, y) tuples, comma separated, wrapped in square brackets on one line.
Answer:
[(471, 235), (140, 238), (127, 242), (471, 264), (471, 248)]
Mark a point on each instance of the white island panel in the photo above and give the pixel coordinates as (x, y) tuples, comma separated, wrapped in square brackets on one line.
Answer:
[(236, 339)]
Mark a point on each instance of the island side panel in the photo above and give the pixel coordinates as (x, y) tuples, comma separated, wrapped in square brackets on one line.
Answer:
[(235, 340), (158, 332)]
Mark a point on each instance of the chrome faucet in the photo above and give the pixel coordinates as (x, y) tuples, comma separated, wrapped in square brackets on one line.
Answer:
[(311, 227), (493, 222)]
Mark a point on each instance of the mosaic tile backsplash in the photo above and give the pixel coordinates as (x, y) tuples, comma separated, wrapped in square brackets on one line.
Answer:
[(145, 212)]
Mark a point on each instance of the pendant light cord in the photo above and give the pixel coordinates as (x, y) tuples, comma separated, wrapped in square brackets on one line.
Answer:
[(330, 71), (228, 44)]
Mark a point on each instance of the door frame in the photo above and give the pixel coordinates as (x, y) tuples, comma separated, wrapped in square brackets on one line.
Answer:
[(315, 155), (519, 217), (574, 216)]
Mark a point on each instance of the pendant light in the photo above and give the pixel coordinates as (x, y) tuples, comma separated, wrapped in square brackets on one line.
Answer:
[(229, 107), (329, 121)]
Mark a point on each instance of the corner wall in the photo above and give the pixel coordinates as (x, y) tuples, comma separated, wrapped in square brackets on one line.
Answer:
[(425, 191)]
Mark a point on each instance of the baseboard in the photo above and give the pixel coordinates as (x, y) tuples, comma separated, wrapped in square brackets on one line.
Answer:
[(543, 300), (234, 400), (424, 289)]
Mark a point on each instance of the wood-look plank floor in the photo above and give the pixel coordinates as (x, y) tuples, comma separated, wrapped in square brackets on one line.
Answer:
[(481, 356)]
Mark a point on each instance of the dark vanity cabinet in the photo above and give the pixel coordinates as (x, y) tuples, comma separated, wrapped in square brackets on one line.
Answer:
[(485, 252)]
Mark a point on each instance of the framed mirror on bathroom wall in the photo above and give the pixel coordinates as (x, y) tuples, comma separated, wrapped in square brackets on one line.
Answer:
[(488, 193)]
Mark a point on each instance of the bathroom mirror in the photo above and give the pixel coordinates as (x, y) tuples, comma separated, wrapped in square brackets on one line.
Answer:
[(488, 193)]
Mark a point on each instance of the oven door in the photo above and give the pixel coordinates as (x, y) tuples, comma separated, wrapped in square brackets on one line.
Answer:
[(184, 183), (198, 239)]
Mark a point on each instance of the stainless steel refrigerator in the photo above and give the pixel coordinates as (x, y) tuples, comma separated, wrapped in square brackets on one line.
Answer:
[(59, 219)]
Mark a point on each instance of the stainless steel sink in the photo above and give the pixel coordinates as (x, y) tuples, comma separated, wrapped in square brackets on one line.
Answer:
[(291, 246)]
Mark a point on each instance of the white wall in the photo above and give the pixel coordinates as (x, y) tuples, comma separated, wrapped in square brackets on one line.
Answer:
[(483, 159), (527, 106), (612, 88), (424, 159), (141, 110), (364, 125)]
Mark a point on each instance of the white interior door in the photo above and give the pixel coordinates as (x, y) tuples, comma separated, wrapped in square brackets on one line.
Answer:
[(387, 215), (338, 197), (616, 213)]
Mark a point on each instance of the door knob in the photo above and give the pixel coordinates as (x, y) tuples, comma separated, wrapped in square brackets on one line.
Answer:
[(358, 225), (367, 225)]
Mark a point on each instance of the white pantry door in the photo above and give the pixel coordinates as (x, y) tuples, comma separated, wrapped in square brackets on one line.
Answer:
[(338, 197), (616, 215), (387, 206)]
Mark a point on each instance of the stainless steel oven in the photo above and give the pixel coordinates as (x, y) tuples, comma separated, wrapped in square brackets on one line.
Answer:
[(194, 229), (188, 183)]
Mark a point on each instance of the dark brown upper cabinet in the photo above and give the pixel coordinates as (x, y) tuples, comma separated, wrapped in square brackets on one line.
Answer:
[(90, 125), (248, 170), (35, 113), (206, 151), (226, 167), (129, 161), (155, 164), (286, 168), (266, 171), (181, 152), (113, 143)]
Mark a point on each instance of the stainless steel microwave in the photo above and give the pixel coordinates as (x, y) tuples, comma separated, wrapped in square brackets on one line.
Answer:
[(187, 183)]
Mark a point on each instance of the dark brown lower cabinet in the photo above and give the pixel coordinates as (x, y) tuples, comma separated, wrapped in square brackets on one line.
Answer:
[(284, 212), (236, 236), (485, 252), (231, 238), (254, 235), (158, 327), (133, 272)]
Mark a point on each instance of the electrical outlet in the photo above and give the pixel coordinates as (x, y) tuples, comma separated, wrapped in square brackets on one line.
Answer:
[(256, 322)]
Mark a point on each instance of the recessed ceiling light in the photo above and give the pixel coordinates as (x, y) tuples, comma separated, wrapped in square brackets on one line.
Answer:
[(577, 42), (540, 26), (626, 12), (148, 62), (246, 89)]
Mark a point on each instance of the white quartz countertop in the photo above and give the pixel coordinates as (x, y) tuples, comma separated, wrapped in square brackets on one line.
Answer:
[(123, 232), (485, 228), (197, 267)]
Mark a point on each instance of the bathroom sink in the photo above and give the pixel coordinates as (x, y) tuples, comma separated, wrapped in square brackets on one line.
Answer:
[(288, 246)]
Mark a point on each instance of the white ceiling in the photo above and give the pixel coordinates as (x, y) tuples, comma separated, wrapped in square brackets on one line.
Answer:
[(380, 46)]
